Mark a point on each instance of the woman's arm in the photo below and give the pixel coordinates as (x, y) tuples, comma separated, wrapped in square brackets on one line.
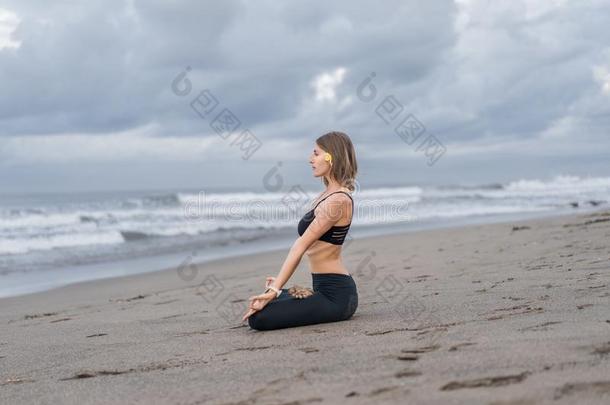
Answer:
[(295, 254), (325, 218), (328, 213)]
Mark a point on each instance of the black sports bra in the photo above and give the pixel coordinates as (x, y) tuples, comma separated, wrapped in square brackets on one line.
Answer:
[(336, 234)]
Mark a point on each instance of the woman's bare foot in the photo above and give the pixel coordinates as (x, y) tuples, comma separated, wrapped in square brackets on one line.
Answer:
[(300, 292)]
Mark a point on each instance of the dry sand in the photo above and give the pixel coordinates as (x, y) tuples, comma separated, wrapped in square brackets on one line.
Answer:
[(511, 313)]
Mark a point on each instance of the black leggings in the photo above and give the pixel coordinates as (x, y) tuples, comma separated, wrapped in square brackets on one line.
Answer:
[(335, 298)]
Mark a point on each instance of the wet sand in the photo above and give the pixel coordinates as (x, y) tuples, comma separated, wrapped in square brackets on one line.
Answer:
[(509, 313)]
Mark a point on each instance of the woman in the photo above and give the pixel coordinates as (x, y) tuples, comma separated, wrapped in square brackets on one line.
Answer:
[(322, 231)]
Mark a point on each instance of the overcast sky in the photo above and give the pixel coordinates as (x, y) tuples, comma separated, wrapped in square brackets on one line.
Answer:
[(91, 96)]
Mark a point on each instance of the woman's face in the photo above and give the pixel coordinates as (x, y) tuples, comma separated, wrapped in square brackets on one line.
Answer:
[(319, 166)]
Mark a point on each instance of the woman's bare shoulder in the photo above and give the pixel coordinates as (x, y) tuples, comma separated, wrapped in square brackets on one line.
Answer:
[(334, 206)]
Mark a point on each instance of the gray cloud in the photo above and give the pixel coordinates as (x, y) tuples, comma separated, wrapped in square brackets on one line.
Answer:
[(485, 78)]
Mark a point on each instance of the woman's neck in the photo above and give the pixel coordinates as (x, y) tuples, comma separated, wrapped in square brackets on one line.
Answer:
[(334, 186)]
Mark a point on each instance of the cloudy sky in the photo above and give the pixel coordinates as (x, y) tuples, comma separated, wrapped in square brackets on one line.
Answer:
[(130, 94)]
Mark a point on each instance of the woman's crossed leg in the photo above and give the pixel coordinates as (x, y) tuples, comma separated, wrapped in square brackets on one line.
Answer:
[(287, 311)]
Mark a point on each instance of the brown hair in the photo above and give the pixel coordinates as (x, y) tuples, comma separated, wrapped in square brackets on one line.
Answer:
[(344, 167)]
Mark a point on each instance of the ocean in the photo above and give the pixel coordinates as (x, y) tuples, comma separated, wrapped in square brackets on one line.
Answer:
[(48, 240)]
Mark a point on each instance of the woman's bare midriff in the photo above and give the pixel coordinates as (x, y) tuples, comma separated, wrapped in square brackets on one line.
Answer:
[(325, 257)]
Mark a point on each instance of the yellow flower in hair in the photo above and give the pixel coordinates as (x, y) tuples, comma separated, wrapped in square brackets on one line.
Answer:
[(328, 157)]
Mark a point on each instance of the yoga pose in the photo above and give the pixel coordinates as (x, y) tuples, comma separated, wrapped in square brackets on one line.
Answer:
[(322, 231)]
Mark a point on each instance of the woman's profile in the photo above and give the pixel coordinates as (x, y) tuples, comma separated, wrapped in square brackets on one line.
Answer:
[(322, 231)]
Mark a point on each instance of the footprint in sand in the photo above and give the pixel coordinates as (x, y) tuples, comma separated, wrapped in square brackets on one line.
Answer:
[(407, 357), (137, 297), (457, 346), (196, 332), (247, 348), (171, 316), (538, 327), (97, 335), (423, 349), (383, 390), (601, 388), (407, 373), (60, 320), (495, 381), (511, 311), (164, 365), (602, 349), (33, 316), (412, 354)]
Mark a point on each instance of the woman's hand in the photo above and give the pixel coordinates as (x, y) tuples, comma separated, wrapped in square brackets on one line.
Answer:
[(258, 302)]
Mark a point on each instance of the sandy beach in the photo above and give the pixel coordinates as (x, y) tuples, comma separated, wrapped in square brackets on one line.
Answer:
[(508, 313)]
